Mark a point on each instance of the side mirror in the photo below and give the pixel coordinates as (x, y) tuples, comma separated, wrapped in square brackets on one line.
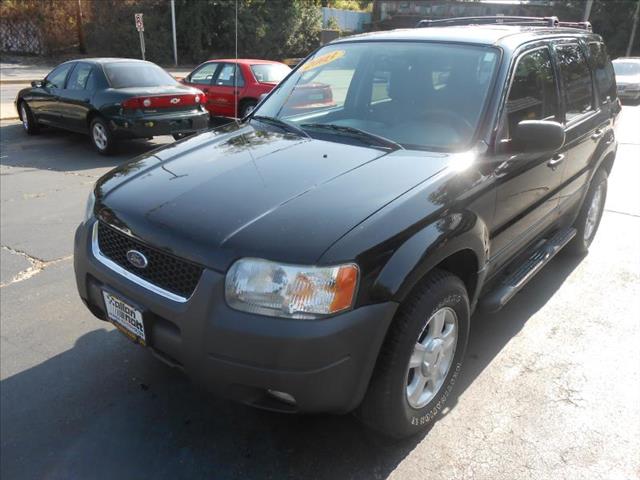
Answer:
[(37, 83), (537, 136)]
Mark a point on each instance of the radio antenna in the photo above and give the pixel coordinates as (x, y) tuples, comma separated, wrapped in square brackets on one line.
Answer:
[(236, 70)]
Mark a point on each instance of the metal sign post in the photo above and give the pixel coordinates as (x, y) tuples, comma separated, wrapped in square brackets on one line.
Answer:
[(140, 28)]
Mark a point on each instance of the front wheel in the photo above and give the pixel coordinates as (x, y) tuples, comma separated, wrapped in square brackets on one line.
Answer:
[(590, 214), (420, 359), (101, 136), (29, 122)]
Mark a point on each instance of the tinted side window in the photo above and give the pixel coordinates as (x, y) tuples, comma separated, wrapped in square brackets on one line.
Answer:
[(576, 79), (56, 78), (204, 74), (79, 76), (533, 94), (226, 77), (603, 70)]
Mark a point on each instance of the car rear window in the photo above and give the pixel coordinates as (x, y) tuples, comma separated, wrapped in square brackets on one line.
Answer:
[(271, 73), (130, 74)]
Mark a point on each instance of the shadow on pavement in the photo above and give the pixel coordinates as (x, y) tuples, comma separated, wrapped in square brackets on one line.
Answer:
[(60, 150), (108, 409)]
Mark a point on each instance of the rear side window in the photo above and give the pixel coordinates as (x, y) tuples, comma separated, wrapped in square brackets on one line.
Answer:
[(603, 70), (79, 76), (226, 77), (576, 79), (533, 94)]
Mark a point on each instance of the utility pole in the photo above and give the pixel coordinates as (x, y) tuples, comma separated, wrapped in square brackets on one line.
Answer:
[(633, 29), (587, 10), (81, 44), (173, 26)]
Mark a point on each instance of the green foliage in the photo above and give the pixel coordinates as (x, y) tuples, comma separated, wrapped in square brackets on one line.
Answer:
[(332, 24), (358, 5)]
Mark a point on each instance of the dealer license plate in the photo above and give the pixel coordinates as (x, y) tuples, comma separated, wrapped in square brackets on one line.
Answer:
[(128, 319)]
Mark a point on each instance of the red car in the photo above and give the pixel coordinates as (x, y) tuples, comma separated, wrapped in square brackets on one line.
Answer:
[(216, 78)]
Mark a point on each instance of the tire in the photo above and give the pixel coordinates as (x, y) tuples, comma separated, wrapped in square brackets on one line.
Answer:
[(388, 406), (29, 122), (101, 136), (180, 136), (247, 107), (590, 214)]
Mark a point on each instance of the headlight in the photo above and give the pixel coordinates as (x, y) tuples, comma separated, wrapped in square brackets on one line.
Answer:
[(88, 210), (268, 288)]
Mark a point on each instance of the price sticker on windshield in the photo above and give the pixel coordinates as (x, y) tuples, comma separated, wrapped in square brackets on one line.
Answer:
[(322, 60)]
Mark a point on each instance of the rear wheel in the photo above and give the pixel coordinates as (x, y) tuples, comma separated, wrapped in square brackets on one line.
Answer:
[(247, 107), (590, 214), (101, 136), (420, 359), (29, 122)]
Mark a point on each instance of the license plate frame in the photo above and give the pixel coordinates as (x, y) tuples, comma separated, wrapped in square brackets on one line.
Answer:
[(125, 316)]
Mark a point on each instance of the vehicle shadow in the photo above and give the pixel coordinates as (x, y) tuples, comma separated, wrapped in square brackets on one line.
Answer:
[(60, 150), (107, 409)]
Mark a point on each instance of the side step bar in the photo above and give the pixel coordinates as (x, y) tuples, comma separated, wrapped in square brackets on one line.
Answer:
[(505, 290)]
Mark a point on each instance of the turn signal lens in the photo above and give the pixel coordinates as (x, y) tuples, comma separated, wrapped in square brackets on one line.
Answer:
[(268, 288)]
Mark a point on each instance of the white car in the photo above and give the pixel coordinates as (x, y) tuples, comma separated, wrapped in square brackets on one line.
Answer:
[(628, 77)]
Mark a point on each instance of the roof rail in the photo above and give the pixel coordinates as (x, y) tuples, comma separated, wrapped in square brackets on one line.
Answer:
[(503, 20)]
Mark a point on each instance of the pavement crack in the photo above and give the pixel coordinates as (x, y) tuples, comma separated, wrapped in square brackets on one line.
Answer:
[(622, 213), (37, 265)]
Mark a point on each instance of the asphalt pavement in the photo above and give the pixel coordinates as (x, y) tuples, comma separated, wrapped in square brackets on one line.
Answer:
[(550, 387)]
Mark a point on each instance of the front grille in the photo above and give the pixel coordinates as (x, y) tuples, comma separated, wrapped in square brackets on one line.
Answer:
[(166, 271)]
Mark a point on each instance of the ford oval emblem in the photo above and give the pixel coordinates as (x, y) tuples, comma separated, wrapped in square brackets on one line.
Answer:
[(137, 259)]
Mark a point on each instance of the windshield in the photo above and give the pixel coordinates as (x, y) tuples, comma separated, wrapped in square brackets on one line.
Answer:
[(271, 73), (134, 74), (626, 68), (419, 95)]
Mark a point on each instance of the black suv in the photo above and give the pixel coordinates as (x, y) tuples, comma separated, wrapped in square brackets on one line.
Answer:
[(323, 257)]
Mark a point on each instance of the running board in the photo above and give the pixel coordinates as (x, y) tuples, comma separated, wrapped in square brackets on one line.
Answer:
[(505, 290)]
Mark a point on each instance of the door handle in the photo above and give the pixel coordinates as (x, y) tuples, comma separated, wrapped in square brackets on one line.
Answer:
[(597, 134), (555, 161)]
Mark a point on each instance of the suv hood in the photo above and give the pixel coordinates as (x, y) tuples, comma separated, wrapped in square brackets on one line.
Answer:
[(240, 191)]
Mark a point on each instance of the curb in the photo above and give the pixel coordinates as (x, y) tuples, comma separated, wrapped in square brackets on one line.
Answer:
[(15, 82), (9, 118)]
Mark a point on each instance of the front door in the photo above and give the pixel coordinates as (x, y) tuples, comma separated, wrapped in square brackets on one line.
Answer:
[(202, 78), (527, 192), (48, 110)]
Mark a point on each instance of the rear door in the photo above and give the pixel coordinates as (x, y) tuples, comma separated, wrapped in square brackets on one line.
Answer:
[(48, 110), (226, 90), (75, 99), (528, 184), (585, 120), (202, 78)]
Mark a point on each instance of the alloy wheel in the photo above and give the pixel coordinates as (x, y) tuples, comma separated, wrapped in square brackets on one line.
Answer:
[(25, 117), (100, 136), (593, 214), (432, 357)]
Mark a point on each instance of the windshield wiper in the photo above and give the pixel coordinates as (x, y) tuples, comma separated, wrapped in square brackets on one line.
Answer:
[(282, 124), (356, 132)]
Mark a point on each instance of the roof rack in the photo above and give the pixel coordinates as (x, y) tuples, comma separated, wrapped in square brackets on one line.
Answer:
[(503, 20)]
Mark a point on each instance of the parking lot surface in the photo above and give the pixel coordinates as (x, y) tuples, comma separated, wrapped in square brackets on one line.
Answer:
[(550, 388)]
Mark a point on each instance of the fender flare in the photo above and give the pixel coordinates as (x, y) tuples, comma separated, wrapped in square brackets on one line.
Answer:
[(429, 247)]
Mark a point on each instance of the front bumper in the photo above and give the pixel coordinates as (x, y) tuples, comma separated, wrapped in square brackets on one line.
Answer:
[(629, 93), (324, 364), (143, 126)]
